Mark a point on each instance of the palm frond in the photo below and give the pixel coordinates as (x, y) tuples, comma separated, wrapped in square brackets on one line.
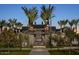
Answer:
[(31, 13), (46, 12)]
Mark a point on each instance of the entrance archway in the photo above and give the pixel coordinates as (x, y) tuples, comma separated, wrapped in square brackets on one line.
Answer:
[(39, 40)]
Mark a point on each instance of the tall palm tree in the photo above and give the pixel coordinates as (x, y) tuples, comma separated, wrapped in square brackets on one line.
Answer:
[(46, 13), (2, 23), (31, 13), (62, 24)]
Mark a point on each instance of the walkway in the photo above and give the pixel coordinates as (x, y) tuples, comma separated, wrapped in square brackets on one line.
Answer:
[(39, 51)]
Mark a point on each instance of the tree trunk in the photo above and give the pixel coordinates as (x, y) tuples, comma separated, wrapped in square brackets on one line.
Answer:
[(47, 22), (71, 28), (61, 29), (76, 28)]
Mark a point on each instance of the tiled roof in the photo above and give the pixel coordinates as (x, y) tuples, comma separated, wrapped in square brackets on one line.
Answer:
[(38, 26)]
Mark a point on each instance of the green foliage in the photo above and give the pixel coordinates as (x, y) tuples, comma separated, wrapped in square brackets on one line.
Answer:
[(13, 24), (46, 12), (31, 14), (10, 39), (15, 52), (2, 23), (70, 34), (63, 52), (62, 22), (73, 22)]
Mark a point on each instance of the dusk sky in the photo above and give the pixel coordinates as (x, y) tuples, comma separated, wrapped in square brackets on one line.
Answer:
[(61, 12)]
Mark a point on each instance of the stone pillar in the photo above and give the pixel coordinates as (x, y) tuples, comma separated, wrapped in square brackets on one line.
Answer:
[(46, 39), (31, 39)]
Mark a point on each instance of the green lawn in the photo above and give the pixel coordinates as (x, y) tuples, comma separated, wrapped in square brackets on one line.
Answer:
[(15, 52), (63, 52)]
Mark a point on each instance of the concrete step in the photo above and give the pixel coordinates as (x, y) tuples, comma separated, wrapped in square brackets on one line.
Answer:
[(39, 46)]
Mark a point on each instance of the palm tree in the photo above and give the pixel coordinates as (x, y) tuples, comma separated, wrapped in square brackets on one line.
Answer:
[(46, 13), (62, 24), (71, 34), (73, 22), (12, 23), (19, 26), (31, 13), (2, 23), (76, 23)]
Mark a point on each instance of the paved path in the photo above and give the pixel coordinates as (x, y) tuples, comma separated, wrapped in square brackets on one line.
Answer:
[(39, 51)]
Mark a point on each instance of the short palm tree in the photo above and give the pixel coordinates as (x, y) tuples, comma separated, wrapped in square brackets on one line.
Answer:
[(76, 23), (31, 14), (71, 23), (12, 23), (62, 24), (46, 13), (19, 26)]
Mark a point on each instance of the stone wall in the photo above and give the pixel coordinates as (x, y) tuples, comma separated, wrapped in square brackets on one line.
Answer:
[(31, 39), (46, 39)]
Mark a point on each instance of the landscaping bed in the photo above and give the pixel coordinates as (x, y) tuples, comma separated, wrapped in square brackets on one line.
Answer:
[(14, 52), (63, 52)]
